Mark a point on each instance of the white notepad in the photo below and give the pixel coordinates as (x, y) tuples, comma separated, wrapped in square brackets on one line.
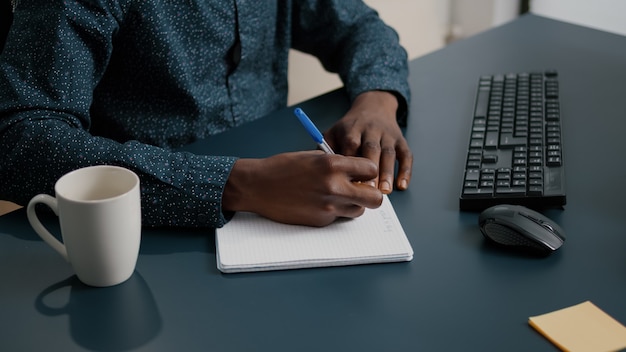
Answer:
[(250, 242)]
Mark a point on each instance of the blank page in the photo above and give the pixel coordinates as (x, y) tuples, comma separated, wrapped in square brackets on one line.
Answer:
[(250, 242)]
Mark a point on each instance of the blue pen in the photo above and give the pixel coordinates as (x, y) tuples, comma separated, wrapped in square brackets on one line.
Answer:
[(313, 131)]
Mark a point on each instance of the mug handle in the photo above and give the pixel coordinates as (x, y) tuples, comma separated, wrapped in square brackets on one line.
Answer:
[(39, 228)]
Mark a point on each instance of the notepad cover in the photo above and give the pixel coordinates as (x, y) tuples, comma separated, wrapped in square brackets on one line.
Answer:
[(250, 242)]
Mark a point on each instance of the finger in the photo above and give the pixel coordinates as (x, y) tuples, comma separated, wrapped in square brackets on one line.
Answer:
[(386, 168), (351, 211), (364, 195), (370, 148), (405, 167), (346, 187), (360, 169)]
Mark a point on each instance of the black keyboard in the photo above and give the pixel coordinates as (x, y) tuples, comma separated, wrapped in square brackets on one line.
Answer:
[(515, 153)]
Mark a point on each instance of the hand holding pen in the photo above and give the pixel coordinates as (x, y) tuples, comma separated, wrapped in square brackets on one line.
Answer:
[(304, 187)]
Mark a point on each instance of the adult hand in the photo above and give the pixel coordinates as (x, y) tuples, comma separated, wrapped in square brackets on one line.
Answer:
[(370, 129), (308, 188)]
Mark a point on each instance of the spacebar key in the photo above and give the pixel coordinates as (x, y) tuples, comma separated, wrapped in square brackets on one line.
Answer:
[(478, 193), (511, 191)]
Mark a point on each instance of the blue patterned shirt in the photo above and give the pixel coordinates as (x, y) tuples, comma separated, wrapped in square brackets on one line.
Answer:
[(122, 82)]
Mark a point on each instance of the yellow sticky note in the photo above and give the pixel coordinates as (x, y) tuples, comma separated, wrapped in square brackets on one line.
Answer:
[(583, 327)]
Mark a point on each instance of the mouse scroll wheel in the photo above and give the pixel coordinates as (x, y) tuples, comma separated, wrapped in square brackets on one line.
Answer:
[(546, 225), (538, 221)]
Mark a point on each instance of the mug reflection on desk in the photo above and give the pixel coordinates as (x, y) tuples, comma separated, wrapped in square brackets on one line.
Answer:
[(120, 317)]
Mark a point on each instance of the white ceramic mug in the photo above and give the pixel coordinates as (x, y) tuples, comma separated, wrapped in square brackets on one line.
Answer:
[(99, 211)]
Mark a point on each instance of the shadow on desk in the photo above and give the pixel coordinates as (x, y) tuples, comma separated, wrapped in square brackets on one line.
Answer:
[(127, 314), (175, 240)]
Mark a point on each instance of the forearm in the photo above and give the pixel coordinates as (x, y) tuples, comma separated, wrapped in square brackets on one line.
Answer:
[(351, 40), (177, 189)]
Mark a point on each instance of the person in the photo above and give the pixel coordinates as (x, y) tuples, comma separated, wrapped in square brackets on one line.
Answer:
[(124, 83)]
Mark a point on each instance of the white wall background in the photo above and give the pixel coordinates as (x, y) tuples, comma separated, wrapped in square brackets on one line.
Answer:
[(607, 15), (471, 17)]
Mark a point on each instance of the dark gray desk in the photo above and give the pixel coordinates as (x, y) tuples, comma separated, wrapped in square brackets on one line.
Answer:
[(457, 294)]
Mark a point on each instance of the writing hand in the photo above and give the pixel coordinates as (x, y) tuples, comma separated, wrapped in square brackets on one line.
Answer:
[(308, 188)]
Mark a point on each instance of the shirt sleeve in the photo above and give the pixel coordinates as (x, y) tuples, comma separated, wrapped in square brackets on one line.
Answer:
[(54, 57), (350, 39)]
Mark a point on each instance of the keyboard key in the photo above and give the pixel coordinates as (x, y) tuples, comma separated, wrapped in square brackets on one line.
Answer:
[(535, 191), (478, 193), (472, 175), (482, 102), (508, 140), (554, 161), (511, 191), (490, 158), (491, 140)]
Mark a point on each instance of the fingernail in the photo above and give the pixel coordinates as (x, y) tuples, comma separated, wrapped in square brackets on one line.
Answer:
[(404, 184), (385, 187)]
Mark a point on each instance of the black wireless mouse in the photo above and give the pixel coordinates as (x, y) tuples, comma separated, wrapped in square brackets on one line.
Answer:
[(520, 228)]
